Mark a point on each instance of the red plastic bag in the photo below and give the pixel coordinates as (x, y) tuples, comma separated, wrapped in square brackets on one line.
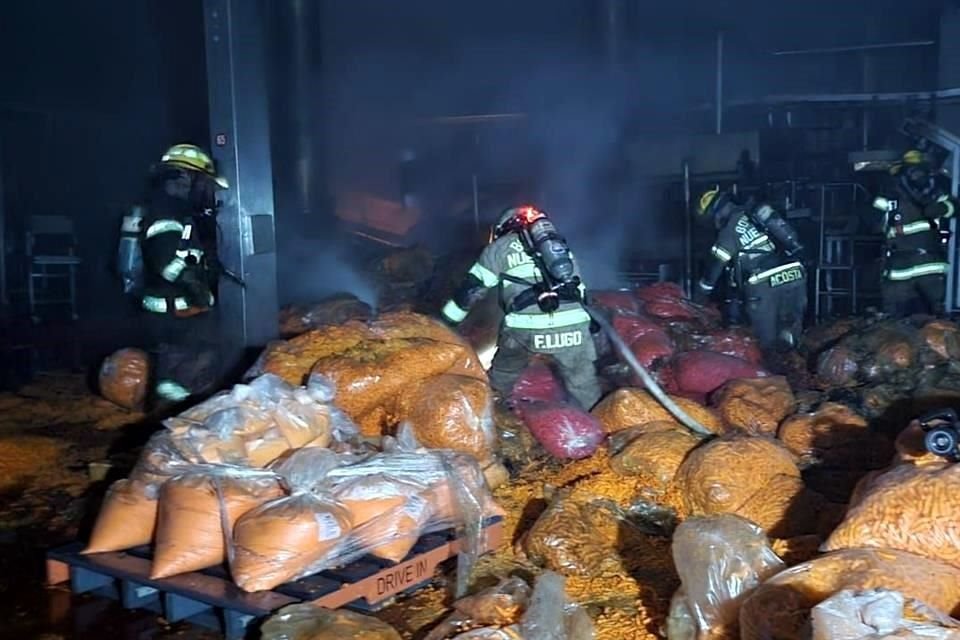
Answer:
[(734, 343), (660, 290), (652, 347), (633, 326), (672, 309), (703, 372), (565, 431), (615, 301), (537, 384)]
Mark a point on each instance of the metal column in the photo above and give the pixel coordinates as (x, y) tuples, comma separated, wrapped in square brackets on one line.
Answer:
[(240, 132), (4, 302)]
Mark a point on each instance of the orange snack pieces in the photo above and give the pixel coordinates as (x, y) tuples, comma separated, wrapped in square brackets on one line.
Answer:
[(910, 508), (626, 408), (293, 359), (124, 377), (450, 412), (127, 518), (372, 373), (837, 435), (780, 608), (190, 532), (655, 454), (283, 539), (755, 406), (721, 475), (404, 324), (784, 507), (943, 338)]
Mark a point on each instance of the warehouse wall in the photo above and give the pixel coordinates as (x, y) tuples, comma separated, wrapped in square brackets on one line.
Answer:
[(97, 97)]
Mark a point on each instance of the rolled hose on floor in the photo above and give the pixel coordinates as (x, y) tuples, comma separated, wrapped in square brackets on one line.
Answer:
[(645, 376)]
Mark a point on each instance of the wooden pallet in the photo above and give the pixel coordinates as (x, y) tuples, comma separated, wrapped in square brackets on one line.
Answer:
[(210, 599)]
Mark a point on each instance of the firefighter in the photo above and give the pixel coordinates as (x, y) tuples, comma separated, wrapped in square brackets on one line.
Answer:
[(916, 208), (761, 254), (179, 242), (539, 318)]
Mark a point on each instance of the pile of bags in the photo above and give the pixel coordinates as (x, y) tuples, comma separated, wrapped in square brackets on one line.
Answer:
[(299, 318), (891, 369), (273, 479), (681, 342), (509, 610), (400, 369), (734, 586)]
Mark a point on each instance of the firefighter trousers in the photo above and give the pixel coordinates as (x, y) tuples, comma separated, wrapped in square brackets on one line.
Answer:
[(570, 349), (185, 356), (923, 294), (776, 313)]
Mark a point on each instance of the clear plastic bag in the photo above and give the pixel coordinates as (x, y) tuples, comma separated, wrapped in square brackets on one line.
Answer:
[(255, 424), (870, 615), (720, 560), (911, 508), (127, 518), (781, 607), (450, 412), (124, 376), (310, 622), (551, 616)]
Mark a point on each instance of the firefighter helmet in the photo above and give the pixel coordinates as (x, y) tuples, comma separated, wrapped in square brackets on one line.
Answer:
[(914, 156), (514, 217), (193, 158)]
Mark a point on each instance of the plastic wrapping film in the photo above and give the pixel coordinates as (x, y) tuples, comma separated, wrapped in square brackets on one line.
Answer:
[(851, 615), (254, 424), (781, 607), (229, 435), (342, 507), (551, 616), (308, 622), (198, 510), (720, 560), (127, 517), (490, 613), (511, 611)]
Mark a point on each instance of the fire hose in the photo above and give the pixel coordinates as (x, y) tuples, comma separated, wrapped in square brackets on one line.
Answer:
[(645, 377)]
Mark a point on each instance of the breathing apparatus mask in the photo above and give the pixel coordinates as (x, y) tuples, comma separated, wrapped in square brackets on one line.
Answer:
[(549, 251)]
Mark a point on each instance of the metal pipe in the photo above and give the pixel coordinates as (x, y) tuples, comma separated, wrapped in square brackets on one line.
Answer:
[(3, 249), (860, 47), (719, 96), (476, 205), (612, 32), (820, 264), (687, 232), (474, 119)]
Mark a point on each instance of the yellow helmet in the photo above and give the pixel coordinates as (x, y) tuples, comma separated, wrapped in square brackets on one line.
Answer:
[(914, 156), (707, 199), (193, 158)]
